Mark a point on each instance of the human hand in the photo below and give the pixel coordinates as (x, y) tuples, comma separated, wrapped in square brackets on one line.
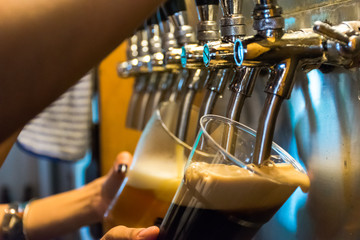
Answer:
[(107, 186), (124, 233)]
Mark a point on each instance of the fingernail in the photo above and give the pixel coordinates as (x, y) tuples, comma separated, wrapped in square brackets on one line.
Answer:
[(122, 168)]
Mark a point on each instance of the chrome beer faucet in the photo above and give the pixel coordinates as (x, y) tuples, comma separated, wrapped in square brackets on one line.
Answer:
[(163, 79), (144, 67), (136, 66), (174, 87), (232, 28), (175, 59), (207, 33), (284, 53)]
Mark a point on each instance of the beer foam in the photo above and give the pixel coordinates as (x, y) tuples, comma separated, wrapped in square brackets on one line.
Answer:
[(229, 187), (285, 173), (152, 174)]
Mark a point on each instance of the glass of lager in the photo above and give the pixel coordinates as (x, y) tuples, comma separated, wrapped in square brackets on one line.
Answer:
[(222, 194), (154, 175)]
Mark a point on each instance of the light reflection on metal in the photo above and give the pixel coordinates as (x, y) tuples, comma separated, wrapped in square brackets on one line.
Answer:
[(239, 52)]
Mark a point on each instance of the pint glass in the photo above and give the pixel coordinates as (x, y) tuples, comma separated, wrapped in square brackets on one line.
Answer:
[(222, 194), (154, 176)]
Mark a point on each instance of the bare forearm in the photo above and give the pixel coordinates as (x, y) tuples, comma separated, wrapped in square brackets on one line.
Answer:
[(6, 146), (47, 45), (60, 214)]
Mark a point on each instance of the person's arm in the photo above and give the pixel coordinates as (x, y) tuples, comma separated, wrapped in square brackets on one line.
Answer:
[(6, 146), (46, 46), (63, 213)]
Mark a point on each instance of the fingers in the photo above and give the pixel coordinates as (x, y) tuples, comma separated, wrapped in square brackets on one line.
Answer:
[(124, 233), (124, 158), (116, 175)]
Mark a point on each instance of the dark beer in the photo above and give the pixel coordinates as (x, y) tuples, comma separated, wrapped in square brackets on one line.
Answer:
[(189, 223), (222, 202)]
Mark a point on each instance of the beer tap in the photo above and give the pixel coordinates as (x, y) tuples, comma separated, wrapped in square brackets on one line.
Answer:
[(284, 53), (175, 59), (232, 28), (175, 86), (217, 55), (125, 70), (131, 68), (163, 80), (184, 36), (208, 34), (144, 67)]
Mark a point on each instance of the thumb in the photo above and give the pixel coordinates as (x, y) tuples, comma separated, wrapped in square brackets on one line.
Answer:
[(116, 175), (124, 233)]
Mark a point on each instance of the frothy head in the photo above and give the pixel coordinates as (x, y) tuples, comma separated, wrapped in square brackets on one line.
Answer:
[(229, 187)]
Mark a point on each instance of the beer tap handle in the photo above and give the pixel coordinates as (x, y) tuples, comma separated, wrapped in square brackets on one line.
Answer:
[(328, 31), (152, 20), (162, 15), (347, 36), (173, 6), (206, 2)]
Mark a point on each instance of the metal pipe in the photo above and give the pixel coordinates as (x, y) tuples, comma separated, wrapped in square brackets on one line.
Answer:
[(186, 103), (266, 128), (231, 7), (150, 88), (157, 94), (179, 86), (133, 107), (215, 87)]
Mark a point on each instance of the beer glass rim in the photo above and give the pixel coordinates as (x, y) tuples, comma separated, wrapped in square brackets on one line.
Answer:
[(283, 154), (158, 114)]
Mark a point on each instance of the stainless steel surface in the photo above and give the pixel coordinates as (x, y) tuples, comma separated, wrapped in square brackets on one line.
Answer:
[(179, 87), (231, 7), (241, 88), (151, 87), (154, 38), (284, 54), (268, 21), (196, 80), (319, 127), (208, 12), (266, 128), (184, 33), (232, 22), (134, 103), (157, 94), (217, 82)]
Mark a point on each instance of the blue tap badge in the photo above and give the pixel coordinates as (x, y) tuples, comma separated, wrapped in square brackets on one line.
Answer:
[(183, 57), (238, 52), (206, 55)]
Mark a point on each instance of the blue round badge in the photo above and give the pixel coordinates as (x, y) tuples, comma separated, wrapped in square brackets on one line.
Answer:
[(238, 52), (206, 55), (183, 57)]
